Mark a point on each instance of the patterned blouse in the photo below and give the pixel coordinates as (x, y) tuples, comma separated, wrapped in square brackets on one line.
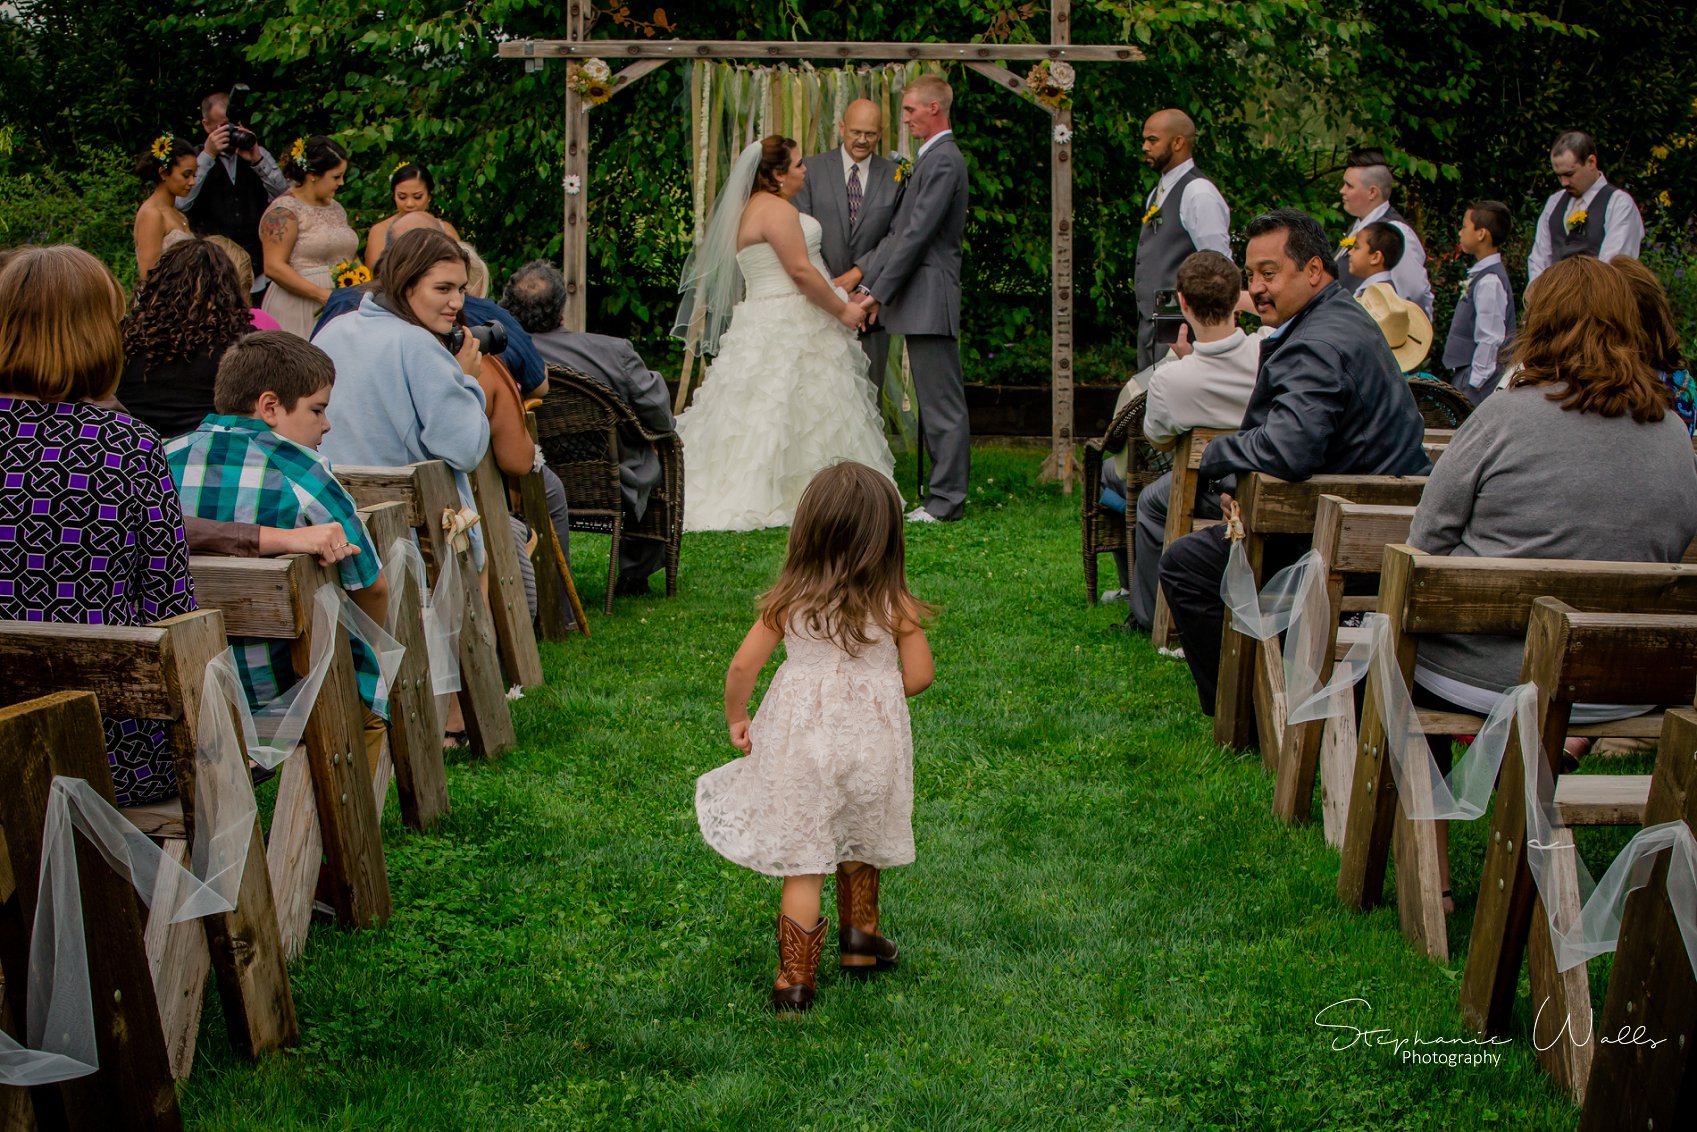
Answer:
[(91, 533)]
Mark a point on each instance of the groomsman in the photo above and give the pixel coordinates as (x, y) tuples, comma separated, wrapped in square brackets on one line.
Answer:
[(914, 282), (1366, 194), (1608, 221), (852, 192), (1183, 213)]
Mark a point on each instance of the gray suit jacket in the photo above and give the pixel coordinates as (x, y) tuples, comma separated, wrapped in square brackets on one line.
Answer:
[(824, 196), (614, 362), (915, 272)]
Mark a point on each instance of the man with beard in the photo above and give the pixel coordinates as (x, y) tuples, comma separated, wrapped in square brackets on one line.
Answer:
[(1589, 216), (1184, 213)]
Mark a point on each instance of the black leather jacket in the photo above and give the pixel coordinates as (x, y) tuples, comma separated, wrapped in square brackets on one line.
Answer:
[(1329, 398)]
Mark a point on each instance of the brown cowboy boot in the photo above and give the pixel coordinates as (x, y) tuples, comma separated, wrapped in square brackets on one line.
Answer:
[(798, 964), (863, 950)]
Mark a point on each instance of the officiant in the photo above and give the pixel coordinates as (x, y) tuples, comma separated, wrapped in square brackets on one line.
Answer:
[(852, 192)]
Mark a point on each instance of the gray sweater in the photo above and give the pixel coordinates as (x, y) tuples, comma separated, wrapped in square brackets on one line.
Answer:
[(1524, 478)]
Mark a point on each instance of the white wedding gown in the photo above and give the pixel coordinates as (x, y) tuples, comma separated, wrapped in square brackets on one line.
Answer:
[(785, 397)]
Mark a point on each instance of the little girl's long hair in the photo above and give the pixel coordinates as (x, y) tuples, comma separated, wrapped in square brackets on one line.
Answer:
[(846, 569)]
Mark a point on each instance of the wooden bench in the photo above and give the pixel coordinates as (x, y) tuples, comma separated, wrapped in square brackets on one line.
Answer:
[(1573, 658), (559, 612), (157, 673), (515, 636), (40, 739), (1181, 516), (1650, 984), (1251, 688), (427, 490), (1423, 594)]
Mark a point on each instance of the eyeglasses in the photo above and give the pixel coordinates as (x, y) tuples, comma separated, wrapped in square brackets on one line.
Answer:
[(862, 135)]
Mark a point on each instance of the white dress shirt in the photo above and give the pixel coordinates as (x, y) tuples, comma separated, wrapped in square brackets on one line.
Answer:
[(1203, 212), (1408, 277), (1208, 388), (1490, 320), (929, 142), (1378, 277), (1623, 227), (269, 175), (865, 168)]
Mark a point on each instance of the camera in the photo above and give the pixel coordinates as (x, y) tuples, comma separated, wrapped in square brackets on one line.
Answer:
[(491, 337), (1168, 317), (240, 136)]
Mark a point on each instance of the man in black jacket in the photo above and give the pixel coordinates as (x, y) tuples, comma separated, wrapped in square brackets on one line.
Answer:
[(1329, 398)]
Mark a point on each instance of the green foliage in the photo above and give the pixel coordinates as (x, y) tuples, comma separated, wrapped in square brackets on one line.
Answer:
[(1672, 254), (93, 207)]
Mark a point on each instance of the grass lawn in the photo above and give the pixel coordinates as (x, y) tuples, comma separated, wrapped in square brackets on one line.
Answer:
[(1105, 926)]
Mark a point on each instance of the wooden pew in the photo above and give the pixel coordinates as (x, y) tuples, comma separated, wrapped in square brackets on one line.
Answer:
[(1181, 516), (515, 636), (157, 672), (1275, 507), (559, 612), (1574, 658), (427, 490), (325, 804), (40, 739), (1651, 991), (1425, 594)]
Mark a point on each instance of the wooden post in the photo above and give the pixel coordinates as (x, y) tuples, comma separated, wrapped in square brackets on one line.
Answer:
[(61, 735), (555, 608), (515, 637), (1060, 463), (574, 253)]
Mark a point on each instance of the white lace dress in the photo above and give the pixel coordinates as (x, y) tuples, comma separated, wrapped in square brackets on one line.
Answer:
[(785, 397), (830, 778)]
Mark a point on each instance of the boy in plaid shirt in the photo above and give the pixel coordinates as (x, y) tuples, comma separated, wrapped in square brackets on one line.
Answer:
[(255, 460)]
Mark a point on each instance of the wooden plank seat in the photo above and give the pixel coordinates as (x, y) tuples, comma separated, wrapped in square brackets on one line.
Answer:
[(157, 673), (1572, 657), (427, 491), (1652, 991), (515, 635), (40, 739), (1106, 530), (1181, 516), (1422, 594)]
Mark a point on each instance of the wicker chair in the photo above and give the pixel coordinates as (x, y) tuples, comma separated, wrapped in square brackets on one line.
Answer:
[(578, 425), (1105, 530), (1441, 404)]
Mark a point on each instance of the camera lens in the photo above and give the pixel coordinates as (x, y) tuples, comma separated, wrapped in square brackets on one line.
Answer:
[(491, 337)]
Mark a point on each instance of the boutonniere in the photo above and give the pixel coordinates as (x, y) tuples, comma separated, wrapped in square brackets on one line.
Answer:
[(1346, 243), (904, 167), (1153, 216), (1576, 220), (1466, 286)]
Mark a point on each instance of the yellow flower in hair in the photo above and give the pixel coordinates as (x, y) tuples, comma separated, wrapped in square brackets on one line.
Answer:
[(161, 148), (297, 152), (399, 165), (1576, 220)]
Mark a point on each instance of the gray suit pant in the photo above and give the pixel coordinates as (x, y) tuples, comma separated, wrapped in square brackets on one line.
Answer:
[(1151, 532), (877, 348), (1145, 341), (943, 419)]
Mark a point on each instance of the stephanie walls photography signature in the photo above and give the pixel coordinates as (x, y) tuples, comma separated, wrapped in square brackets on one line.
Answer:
[(1475, 1050)]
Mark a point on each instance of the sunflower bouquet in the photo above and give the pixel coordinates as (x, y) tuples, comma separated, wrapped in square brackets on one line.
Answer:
[(350, 273), (593, 80), (1051, 83)]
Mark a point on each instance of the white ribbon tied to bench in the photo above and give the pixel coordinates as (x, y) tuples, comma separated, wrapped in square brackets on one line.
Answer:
[(441, 610), (59, 1009), (1294, 603)]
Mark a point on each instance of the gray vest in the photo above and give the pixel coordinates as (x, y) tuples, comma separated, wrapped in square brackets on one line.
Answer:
[(1162, 245), (1458, 347), (1351, 282), (1585, 240)]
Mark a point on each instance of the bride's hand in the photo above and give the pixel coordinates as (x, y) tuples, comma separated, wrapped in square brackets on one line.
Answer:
[(853, 316)]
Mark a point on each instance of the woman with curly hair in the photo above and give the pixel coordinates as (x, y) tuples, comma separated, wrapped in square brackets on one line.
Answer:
[(185, 316), (305, 234), (167, 168)]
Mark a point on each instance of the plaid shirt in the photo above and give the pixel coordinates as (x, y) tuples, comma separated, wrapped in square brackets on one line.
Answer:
[(237, 470)]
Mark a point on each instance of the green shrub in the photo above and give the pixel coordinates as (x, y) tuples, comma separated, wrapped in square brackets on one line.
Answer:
[(1672, 254), (93, 207)]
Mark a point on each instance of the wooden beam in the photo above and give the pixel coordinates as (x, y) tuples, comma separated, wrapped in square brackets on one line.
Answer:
[(1001, 76), (575, 47), (636, 71), (574, 249), (1060, 281)]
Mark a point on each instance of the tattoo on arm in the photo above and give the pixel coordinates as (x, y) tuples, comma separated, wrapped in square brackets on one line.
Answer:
[(274, 226)]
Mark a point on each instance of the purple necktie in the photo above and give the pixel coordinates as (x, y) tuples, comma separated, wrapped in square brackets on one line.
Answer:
[(854, 193)]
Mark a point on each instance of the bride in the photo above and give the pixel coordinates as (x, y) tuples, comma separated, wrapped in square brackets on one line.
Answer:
[(785, 395)]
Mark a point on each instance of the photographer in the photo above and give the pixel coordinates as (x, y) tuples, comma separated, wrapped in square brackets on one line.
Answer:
[(235, 180)]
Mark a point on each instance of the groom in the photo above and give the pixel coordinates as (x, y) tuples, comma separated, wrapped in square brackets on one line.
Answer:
[(913, 281), (852, 192)]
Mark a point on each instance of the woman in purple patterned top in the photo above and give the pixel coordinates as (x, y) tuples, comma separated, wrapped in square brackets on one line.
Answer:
[(90, 528)]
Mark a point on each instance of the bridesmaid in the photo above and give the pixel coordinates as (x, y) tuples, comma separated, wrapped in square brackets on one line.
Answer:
[(305, 233), (168, 169), (414, 189)]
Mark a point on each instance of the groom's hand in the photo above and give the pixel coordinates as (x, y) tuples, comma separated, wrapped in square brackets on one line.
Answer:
[(871, 305)]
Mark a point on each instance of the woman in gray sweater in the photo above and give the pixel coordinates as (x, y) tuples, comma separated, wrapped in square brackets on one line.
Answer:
[(1580, 457)]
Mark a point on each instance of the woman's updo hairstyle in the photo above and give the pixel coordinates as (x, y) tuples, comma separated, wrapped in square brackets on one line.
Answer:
[(318, 155), (408, 259), (157, 159), (412, 171), (777, 154)]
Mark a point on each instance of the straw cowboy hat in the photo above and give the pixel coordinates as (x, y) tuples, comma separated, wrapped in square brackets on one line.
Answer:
[(1404, 325)]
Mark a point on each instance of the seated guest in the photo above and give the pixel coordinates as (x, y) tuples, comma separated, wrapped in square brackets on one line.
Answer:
[(520, 355), (255, 460), (1374, 255), (90, 529), (1207, 388), (1484, 317), (1661, 337), (191, 309), (1578, 457), (243, 263), (1328, 398), (536, 296)]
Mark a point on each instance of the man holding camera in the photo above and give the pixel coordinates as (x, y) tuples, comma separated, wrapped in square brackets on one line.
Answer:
[(1184, 213), (236, 179)]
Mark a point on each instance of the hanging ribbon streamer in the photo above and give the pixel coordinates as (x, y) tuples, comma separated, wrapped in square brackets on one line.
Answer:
[(441, 610), (1294, 603)]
